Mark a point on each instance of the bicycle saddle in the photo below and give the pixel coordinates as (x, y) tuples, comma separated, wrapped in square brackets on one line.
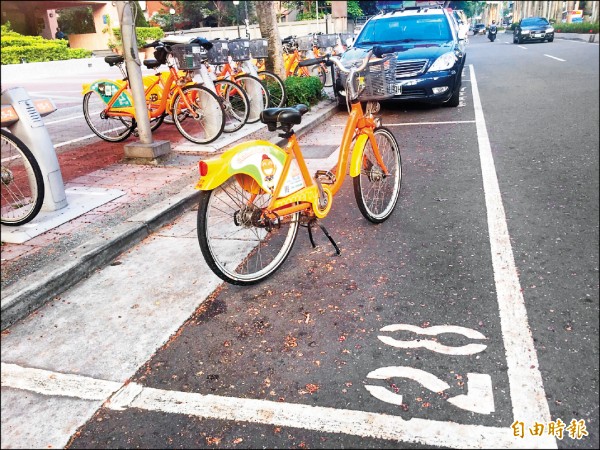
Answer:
[(112, 60), (151, 63), (286, 116)]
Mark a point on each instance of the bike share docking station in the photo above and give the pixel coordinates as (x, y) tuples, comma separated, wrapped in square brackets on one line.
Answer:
[(24, 118)]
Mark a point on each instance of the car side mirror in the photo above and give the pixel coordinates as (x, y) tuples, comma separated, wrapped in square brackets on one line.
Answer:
[(462, 34)]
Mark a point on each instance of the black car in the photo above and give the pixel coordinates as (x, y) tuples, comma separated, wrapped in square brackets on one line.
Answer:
[(533, 29), (479, 28), (430, 54)]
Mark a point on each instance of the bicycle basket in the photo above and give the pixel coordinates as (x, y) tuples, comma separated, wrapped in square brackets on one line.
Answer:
[(188, 57), (305, 43), (239, 49), (326, 40), (379, 78), (219, 53), (258, 48)]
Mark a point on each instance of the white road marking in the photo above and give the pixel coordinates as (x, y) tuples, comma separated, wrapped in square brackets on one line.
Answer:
[(527, 393), (450, 122), (480, 396), (469, 349), (554, 57), (316, 418), (83, 138), (425, 379), (67, 119)]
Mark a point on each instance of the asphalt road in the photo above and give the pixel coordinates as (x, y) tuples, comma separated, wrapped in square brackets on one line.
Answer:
[(470, 313)]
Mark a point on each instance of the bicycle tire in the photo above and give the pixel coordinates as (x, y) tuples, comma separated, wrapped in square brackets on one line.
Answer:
[(234, 246), (275, 87), (235, 103), (371, 180), (313, 71), (258, 95), (109, 128), (206, 122), (22, 183)]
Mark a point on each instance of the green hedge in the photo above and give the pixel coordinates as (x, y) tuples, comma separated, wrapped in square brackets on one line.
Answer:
[(16, 47), (583, 28), (143, 34), (306, 90)]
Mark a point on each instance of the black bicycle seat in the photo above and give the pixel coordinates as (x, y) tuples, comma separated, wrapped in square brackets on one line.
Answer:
[(291, 115), (151, 63), (112, 60)]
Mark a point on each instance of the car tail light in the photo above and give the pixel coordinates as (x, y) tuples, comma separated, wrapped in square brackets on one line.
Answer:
[(203, 168)]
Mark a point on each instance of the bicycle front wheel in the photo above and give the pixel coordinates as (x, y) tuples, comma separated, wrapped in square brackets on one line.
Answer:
[(198, 114), (315, 70), (376, 193), (235, 102), (275, 87), (110, 128), (258, 95), (239, 243), (22, 182)]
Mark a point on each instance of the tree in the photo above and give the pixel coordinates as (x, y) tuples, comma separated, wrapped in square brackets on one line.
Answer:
[(354, 9), (267, 21)]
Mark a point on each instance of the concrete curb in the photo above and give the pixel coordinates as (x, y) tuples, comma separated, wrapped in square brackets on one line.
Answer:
[(28, 294)]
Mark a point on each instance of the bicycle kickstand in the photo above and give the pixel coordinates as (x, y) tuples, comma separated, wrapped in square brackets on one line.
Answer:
[(310, 235)]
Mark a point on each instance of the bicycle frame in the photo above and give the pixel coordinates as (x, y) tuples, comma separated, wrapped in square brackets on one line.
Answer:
[(286, 176)]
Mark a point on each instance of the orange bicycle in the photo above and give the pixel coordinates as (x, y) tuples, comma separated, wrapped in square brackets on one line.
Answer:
[(108, 104), (256, 194)]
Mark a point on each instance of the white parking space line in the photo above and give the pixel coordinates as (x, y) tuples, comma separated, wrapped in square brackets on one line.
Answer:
[(83, 138), (526, 386), (554, 57), (316, 418)]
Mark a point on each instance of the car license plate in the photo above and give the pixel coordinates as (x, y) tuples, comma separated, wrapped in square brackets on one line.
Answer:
[(397, 89), (538, 34)]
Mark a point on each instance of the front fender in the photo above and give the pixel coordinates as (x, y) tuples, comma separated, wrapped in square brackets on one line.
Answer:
[(357, 155), (260, 160)]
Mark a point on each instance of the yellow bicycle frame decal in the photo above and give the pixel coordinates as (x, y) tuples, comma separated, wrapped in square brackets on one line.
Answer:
[(260, 160)]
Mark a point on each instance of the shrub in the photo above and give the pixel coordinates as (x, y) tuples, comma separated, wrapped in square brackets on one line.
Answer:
[(15, 47), (306, 90), (143, 34), (583, 27)]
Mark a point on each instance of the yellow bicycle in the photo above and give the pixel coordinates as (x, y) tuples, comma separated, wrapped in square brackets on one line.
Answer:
[(256, 194)]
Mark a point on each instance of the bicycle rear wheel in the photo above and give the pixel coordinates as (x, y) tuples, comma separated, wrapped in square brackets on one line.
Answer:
[(110, 128), (258, 95), (22, 184), (275, 87), (203, 121), (235, 103), (377, 193), (238, 243)]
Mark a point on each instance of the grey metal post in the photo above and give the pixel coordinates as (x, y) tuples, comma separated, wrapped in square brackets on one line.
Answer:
[(134, 71)]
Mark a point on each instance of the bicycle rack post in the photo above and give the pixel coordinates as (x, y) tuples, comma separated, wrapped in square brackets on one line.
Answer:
[(31, 130)]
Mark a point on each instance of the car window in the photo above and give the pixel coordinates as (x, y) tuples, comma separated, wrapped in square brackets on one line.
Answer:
[(534, 21), (405, 29)]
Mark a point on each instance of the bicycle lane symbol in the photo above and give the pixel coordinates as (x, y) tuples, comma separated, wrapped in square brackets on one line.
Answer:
[(479, 398)]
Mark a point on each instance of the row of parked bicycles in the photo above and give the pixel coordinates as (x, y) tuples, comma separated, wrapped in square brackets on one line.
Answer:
[(210, 87)]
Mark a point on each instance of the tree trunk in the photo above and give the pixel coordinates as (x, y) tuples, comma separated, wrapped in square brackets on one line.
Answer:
[(267, 20)]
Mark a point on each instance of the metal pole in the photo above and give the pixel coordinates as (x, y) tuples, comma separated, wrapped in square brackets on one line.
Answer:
[(134, 71)]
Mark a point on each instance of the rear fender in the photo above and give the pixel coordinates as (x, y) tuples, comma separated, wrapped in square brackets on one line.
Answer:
[(357, 155), (106, 89), (255, 164)]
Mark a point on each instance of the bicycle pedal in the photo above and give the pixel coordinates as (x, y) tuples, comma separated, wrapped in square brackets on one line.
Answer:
[(325, 176)]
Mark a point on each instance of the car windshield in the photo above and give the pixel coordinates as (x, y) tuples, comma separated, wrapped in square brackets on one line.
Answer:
[(405, 29), (534, 21)]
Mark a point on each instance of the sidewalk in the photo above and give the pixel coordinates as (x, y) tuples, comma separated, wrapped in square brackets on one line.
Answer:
[(40, 269)]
